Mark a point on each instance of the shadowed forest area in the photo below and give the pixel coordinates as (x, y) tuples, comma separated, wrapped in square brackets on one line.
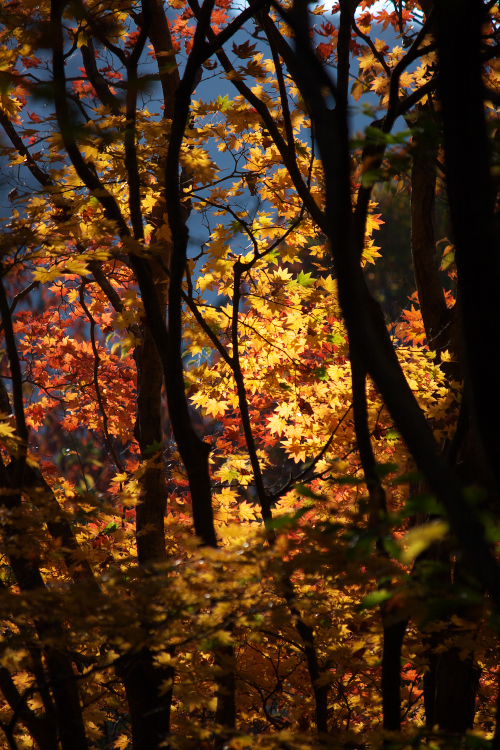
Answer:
[(249, 399)]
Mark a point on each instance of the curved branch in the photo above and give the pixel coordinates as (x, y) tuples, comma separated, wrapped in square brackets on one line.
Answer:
[(97, 387), (364, 319)]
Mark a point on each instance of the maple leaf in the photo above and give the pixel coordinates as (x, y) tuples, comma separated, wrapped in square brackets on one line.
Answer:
[(244, 50), (170, 361), (246, 511), (122, 742)]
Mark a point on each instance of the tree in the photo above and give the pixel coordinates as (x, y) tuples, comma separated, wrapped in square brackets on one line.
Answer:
[(240, 507)]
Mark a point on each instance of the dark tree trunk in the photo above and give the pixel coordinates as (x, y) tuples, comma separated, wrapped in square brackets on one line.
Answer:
[(42, 729), (450, 685), (149, 702), (456, 685), (471, 199), (451, 681), (394, 633), (225, 714), (435, 314), (150, 513), (26, 569), (149, 699)]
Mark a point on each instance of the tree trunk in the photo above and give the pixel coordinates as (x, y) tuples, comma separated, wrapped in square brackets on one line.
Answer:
[(435, 314), (456, 685), (145, 682), (149, 698), (394, 633)]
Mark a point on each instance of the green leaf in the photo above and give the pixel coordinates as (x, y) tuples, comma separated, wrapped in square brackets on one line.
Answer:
[(224, 103), (345, 479), (371, 176), (306, 491), (392, 435), (383, 469), (419, 539), (154, 448), (476, 742), (287, 519), (375, 598), (406, 478), (423, 503), (321, 373), (337, 339), (305, 279), (391, 547)]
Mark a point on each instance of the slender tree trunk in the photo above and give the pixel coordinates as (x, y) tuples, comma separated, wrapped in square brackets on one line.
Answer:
[(149, 698), (450, 683), (146, 683), (456, 685), (471, 198), (495, 745), (435, 314), (150, 514), (62, 680), (225, 713), (26, 568), (42, 729), (393, 635), (452, 680)]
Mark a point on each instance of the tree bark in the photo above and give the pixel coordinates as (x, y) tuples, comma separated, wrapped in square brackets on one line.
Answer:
[(149, 698), (150, 512), (435, 314), (471, 198), (26, 568), (456, 685), (394, 632)]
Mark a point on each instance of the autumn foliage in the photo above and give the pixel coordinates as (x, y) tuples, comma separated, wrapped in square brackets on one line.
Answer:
[(242, 504)]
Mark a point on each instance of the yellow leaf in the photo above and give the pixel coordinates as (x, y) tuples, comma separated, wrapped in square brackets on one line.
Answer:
[(419, 539), (223, 637), (7, 431), (119, 478), (205, 281), (247, 511), (199, 162), (163, 659), (358, 90), (368, 61)]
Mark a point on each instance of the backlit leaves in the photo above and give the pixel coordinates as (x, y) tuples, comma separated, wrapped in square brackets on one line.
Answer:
[(262, 337)]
